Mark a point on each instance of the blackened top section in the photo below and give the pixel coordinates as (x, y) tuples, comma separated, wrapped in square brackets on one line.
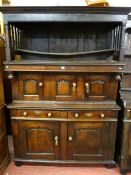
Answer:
[(64, 9)]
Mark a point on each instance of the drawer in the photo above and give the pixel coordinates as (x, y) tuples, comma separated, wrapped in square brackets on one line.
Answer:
[(92, 114), (38, 113), (67, 68)]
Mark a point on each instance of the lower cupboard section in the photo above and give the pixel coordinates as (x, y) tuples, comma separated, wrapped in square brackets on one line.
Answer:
[(74, 140)]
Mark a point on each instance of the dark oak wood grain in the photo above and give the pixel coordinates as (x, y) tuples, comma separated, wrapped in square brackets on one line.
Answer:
[(65, 66)]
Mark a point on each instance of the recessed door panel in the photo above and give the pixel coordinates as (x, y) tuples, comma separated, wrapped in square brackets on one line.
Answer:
[(100, 87), (40, 140), (88, 140), (31, 87), (61, 87)]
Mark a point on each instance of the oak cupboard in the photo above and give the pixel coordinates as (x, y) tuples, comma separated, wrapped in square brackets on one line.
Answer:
[(65, 66)]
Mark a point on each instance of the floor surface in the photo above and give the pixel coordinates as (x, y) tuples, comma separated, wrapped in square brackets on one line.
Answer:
[(57, 169)]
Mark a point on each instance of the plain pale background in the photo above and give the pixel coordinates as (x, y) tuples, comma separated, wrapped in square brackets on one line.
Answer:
[(65, 2)]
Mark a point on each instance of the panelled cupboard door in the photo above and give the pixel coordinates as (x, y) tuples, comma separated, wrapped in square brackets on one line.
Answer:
[(100, 87), (60, 87), (39, 140), (88, 141), (30, 86)]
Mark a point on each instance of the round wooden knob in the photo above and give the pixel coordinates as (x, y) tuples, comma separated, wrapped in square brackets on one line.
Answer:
[(25, 114), (76, 115), (10, 76), (40, 84), (102, 115), (49, 114)]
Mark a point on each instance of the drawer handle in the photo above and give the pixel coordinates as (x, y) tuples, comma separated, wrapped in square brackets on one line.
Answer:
[(37, 112), (129, 110), (49, 114), (56, 140), (10, 76), (102, 115), (24, 114), (89, 115), (74, 85), (70, 138), (87, 87), (40, 84), (76, 115)]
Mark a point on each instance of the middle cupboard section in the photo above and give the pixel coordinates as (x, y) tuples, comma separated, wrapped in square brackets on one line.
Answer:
[(64, 86)]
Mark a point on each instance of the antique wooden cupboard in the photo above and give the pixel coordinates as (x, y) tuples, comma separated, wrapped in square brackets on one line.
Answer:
[(124, 155), (4, 156), (65, 64)]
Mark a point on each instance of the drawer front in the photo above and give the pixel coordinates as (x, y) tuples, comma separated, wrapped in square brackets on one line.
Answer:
[(66, 68), (38, 113), (92, 114)]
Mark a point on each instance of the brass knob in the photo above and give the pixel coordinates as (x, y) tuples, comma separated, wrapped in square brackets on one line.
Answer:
[(40, 84), (49, 114), (70, 138), (24, 114), (56, 140), (128, 110), (10, 76), (102, 115), (76, 115), (87, 87), (118, 78), (74, 84)]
